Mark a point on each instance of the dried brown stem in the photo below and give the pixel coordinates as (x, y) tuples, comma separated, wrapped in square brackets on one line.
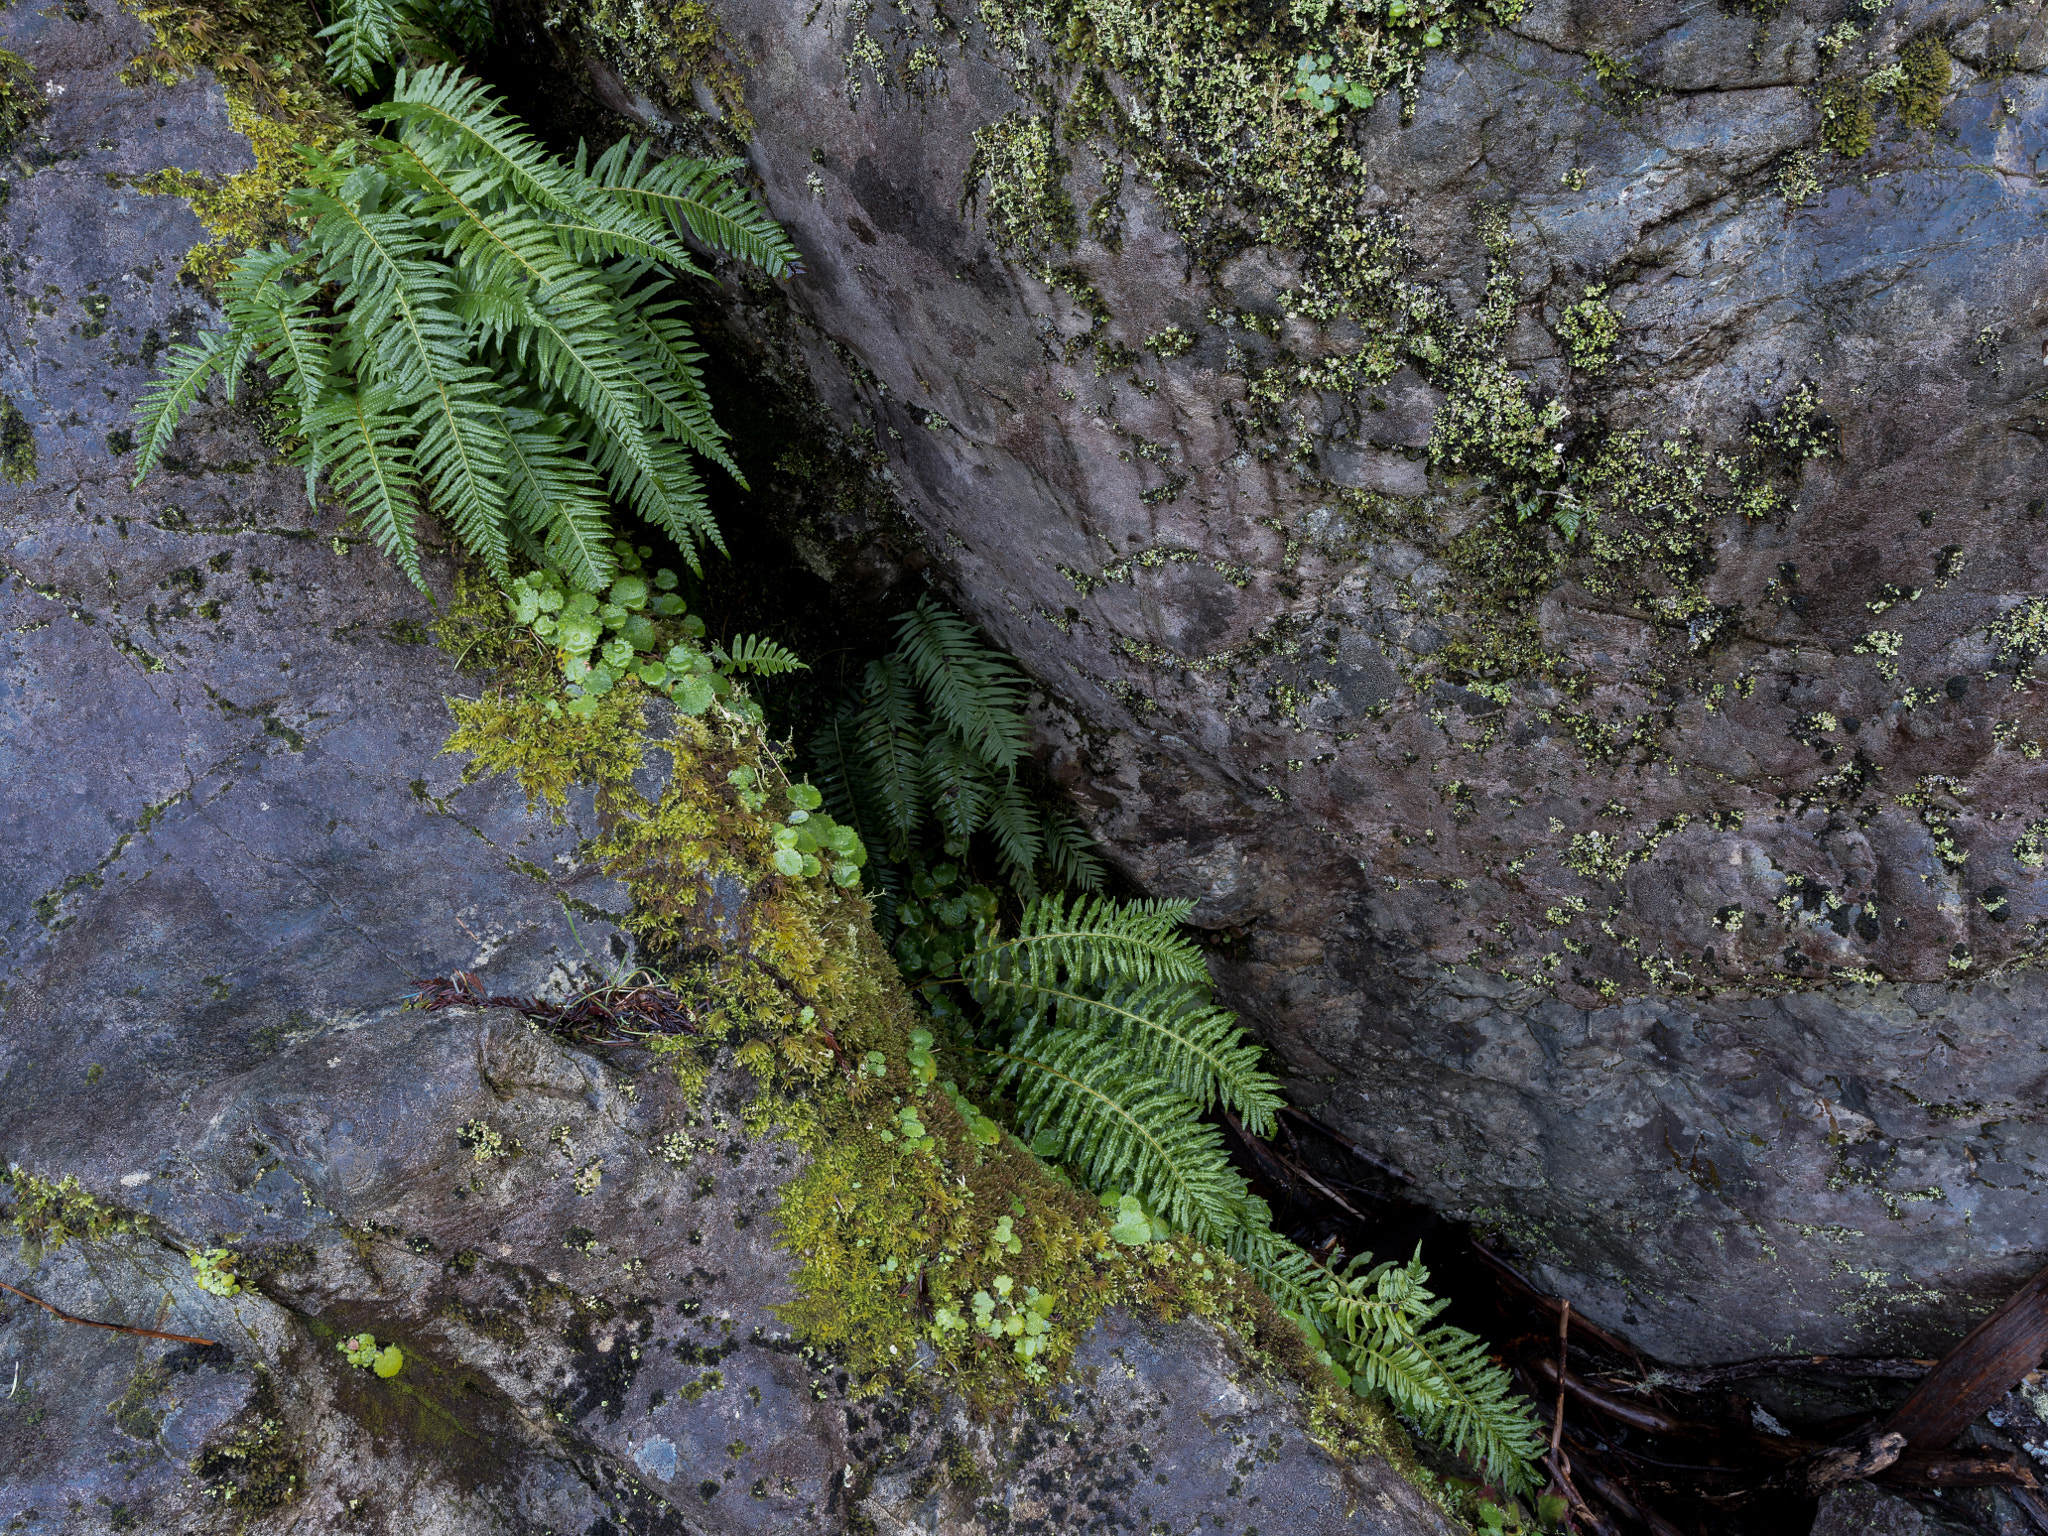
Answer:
[(144, 1333)]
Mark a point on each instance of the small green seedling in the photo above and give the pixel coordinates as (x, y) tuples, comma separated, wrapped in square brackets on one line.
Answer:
[(213, 1271), (363, 1353)]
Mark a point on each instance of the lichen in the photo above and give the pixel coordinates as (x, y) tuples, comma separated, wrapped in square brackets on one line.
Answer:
[(667, 47)]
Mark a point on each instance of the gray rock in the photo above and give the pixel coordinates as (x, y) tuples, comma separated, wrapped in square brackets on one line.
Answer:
[(1697, 962), (232, 851)]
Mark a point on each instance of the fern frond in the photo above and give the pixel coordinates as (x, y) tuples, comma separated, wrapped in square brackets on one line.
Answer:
[(1442, 1377), (975, 694), (188, 368), (555, 495), (763, 657), (365, 34), (839, 769), (463, 455), (696, 197), (1089, 941), (1139, 1136), (1160, 1031), (1013, 826), (1294, 1280), (439, 100), (360, 435), (1070, 853), (891, 733), (956, 786)]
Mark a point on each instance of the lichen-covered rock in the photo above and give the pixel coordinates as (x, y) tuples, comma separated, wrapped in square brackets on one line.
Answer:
[(580, 1267), (233, 850), (1551, 560)]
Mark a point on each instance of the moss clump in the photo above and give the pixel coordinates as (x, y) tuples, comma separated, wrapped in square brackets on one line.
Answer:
[(21, 100), (257, 1468), (916, 1223), (48, 1213), (666, 47), (281, 104), (1848, 126), (1927, 67), (17, 443)]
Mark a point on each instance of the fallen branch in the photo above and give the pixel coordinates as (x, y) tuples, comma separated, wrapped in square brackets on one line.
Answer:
[(1977, 1372), (145, 1333)]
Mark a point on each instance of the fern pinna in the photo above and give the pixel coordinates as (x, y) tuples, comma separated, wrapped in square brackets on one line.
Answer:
[(474, 325)]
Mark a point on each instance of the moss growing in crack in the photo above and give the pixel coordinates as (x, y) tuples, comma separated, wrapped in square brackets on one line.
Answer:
[(21, 99), (916, 1224), (280, 105), (48, 1213), (257, 1467)]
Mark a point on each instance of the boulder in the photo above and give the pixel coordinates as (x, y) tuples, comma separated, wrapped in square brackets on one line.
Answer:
[(1550, 560), (234, 856)]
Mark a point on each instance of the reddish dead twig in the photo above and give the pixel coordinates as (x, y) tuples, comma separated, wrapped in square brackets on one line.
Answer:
[(145, 1333), (615, 1014)]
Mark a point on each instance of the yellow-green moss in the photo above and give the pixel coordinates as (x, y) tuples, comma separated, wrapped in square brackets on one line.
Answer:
[(897, 1225), (21, 100), (48, 1213), (271, 68), (1847, 124), (666, 47), (1927, 68), (17, 443)]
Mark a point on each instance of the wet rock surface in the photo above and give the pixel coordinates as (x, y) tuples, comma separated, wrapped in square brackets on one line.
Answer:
[(1692, 950), (231, 850)]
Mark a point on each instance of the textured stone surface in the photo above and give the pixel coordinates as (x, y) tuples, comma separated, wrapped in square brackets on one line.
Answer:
[(228, 849), (1696, 958)]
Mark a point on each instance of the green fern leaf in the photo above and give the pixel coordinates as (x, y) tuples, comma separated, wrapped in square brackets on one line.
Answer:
[(1070, 853), (1442, 1377), (975, 694), (188, 368), (891, 733), (698, 198), (1091, 941), (956, 786), (1140, 1136), (763, 657), (365, 34), (1013, 826), (439, 100), (1161, 1031), (554, 495), (361, 437)]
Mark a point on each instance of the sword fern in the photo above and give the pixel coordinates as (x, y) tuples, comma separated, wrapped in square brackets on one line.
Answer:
[(471, 325)]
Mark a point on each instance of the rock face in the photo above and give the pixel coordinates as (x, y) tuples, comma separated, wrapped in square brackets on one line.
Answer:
[(232, 848), (1551, 560)]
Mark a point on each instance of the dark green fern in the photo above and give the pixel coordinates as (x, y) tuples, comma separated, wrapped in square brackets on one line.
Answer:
[(1099, 1027), (472, 326), (1440, 1376), (933, 741)]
